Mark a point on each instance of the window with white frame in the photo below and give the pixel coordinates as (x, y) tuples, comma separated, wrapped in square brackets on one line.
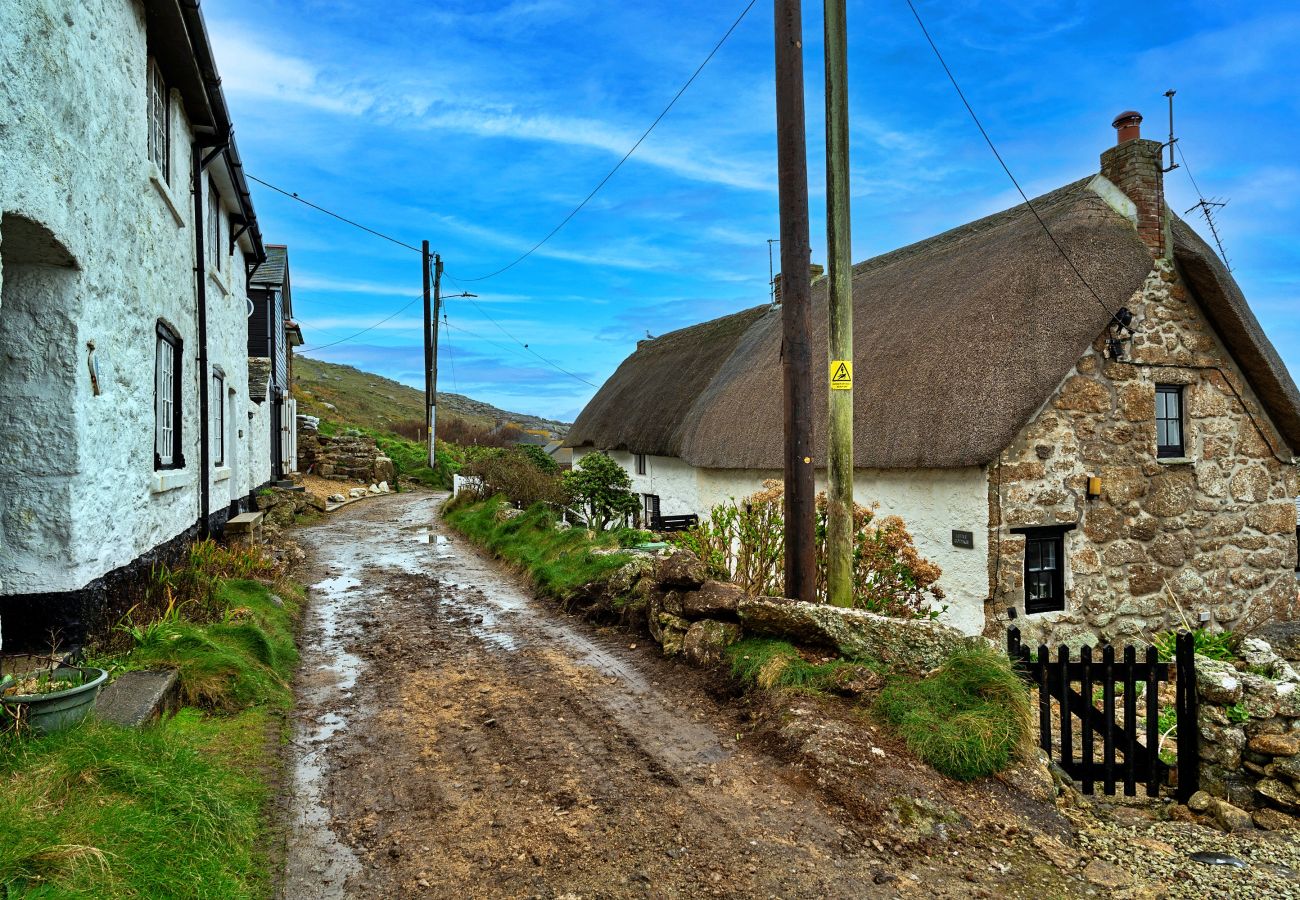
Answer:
[(159, 121), (215, 248), (167, 400), (218, 402)]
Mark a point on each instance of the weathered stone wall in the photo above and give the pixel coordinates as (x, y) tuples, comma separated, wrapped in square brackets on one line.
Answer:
[(1216, 529), (1250, 734), (348, 456)]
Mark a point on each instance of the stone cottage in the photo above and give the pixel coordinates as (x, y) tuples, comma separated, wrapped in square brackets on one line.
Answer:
[(272, 335), (127, 234), (1096, 453)]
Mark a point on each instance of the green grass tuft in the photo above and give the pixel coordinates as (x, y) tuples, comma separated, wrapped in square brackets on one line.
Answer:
[(767, 663), (966, 719), (559, 561)]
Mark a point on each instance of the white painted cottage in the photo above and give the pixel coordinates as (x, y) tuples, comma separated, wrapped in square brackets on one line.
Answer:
[(127, 239), (1093, 485)]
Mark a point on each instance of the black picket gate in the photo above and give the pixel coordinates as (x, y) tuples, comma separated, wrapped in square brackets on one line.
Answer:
[(1126, 757)]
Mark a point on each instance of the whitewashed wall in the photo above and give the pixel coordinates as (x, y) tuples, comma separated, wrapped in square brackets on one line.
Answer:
[(73, 158), (932, 502)]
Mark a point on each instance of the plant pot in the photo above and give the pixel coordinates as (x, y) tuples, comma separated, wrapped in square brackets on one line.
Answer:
[(48, 713)]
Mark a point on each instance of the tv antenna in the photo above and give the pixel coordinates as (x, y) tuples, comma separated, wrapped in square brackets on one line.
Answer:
[(1172, 140), (1204, 205)]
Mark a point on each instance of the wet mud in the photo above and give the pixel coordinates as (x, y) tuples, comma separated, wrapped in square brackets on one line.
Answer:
[(457, 738)]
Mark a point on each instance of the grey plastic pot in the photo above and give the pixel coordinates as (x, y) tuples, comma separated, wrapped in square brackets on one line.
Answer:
[(48, 713)]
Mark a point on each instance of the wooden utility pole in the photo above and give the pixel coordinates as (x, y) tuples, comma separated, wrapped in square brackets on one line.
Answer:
[(839, 295), (796, 354), (433, 377), (429, 387)]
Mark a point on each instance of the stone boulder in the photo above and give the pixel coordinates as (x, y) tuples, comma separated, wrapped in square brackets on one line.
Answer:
[(384, 470), (908, 644), (1283, 638), (672, 630), (707, 639), (1218, 682), (714, 598), (682, 569), (1228, 817)]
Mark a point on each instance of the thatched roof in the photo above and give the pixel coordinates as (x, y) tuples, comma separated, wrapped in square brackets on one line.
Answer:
[(958, 340)]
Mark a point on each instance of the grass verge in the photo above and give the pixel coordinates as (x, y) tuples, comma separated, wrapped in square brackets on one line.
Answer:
[(175, 809), (967, 719), (559, 561), (769, 664)]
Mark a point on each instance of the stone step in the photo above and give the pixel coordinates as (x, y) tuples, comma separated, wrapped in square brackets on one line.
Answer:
[(138, 698), (244, 523)]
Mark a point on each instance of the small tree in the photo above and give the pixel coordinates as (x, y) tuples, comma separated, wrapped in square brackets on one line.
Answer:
[(601, 489)]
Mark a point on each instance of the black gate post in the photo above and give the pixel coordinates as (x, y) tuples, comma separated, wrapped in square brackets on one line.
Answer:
[(1187, 708)]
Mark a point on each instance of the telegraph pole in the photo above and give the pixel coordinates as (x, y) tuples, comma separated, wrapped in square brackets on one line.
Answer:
[(429, 351), (433, 368), (839, 295), (796, 354)]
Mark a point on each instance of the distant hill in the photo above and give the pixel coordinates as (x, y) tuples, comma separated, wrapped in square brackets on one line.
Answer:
[(347, 394)]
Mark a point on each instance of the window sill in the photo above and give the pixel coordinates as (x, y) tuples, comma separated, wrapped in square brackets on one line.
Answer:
[(220, 281), (170, 480), (160, 183), (1175, 460), (221, 473)]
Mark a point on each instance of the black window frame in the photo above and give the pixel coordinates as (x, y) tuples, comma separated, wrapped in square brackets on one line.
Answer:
[(639, 463), (213, 224), (218, 416), (166, 336), (1171, 450), (1037, 538), (650, 508)]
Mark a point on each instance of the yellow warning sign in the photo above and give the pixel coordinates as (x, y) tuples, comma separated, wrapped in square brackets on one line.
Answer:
[(841, 374)]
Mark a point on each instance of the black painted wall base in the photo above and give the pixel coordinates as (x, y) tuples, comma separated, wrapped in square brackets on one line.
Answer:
[(66, 619)]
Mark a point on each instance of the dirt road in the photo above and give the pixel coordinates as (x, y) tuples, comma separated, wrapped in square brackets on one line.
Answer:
[(456, 738)]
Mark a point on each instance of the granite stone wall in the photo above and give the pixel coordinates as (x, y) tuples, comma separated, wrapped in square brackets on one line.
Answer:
[(1211, 532)]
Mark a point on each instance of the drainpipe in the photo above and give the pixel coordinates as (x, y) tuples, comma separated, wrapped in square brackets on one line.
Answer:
[(200, 164)]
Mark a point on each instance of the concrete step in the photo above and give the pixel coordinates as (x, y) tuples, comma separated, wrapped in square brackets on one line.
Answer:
[(138, 698), (244, 522)]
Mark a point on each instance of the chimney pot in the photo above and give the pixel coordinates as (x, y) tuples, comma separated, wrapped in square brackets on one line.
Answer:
[(1128, 125)]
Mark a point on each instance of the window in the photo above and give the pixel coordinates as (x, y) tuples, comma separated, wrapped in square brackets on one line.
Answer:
[(167, 401), (1044, 567), (1169, 420), (640, 463), (159, 121), (650, 508), (215, 249), (218, 402)]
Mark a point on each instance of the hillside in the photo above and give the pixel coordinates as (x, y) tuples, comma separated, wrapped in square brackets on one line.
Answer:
[(346, 394)]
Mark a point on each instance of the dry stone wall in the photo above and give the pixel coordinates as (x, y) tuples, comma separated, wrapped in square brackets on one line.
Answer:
[(1216, 530), (348, 456)]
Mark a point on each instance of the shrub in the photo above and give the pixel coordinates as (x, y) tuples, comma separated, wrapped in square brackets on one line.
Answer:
[(601, 488), (517, 475), (1220, 645), (745, 542), (967, 718)]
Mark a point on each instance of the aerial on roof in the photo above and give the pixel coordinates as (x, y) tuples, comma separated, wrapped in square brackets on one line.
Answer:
[(958, 340)]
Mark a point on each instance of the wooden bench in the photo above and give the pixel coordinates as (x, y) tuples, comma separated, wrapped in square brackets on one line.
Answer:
[(674, 523)]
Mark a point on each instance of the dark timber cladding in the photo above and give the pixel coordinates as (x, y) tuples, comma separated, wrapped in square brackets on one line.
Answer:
[(796, 352)]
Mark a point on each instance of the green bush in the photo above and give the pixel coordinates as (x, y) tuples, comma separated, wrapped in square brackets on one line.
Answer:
[(559, 561), (767, 663), (1220, 645), (967, 718), (517, 474), (602, 489)]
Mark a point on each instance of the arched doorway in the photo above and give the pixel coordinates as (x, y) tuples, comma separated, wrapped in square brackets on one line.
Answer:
[(39, 372)]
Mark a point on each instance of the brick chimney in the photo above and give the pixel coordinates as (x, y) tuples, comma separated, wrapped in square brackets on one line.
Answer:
[(814, 272), (1135, 167)]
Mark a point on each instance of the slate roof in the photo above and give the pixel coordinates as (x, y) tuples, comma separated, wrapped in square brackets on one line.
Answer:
[(271, 274), (958, 340)]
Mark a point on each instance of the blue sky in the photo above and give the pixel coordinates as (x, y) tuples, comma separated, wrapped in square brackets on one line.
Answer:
[(478, 124)]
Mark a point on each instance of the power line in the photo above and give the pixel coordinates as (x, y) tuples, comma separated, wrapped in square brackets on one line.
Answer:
[(502, 329), (1206, 207), (645, 134), (363, 330), (925, 31), (354, 224)]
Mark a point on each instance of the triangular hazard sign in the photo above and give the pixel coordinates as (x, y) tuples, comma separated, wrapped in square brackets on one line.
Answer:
[(842, 373)]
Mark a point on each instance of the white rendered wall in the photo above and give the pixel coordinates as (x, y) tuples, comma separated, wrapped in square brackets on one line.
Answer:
[(932, 502), (73, 146)]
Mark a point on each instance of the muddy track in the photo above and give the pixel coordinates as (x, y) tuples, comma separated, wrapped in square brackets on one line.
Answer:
[(455, 738)]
